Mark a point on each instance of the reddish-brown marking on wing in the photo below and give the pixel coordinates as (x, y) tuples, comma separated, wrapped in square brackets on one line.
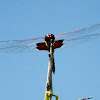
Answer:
[(42, 46), (58, 43)]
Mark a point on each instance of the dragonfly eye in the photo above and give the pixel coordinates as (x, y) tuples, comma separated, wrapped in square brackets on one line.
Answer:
[(48, 37)]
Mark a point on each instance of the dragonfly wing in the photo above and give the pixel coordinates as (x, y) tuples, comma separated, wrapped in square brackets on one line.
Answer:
[(19, 49), (79, 40), (81, 32), (4, 44), (19, 46)]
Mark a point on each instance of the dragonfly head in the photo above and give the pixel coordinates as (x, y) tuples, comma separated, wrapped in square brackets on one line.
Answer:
[(48, 38)]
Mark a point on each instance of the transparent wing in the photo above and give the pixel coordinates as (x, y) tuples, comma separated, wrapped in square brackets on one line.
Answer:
[(19, 49), (81, 32), (79, 40), (11, 43), (19, 46)]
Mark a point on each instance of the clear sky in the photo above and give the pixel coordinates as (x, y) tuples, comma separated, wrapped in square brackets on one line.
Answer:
[(23, 75)]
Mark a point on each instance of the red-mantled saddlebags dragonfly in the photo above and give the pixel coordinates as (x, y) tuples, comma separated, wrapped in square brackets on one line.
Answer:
[(65, 39)]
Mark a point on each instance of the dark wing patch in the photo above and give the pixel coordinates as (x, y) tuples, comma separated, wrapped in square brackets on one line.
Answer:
[(42, 46), (58, 43)]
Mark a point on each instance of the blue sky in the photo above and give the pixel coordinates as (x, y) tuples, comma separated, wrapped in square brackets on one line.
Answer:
[(23, 75)]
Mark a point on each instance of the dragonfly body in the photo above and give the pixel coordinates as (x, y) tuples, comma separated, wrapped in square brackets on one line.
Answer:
[(46, 46)]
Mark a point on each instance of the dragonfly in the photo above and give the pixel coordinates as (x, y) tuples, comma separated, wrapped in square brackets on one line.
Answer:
[(67, 39)]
